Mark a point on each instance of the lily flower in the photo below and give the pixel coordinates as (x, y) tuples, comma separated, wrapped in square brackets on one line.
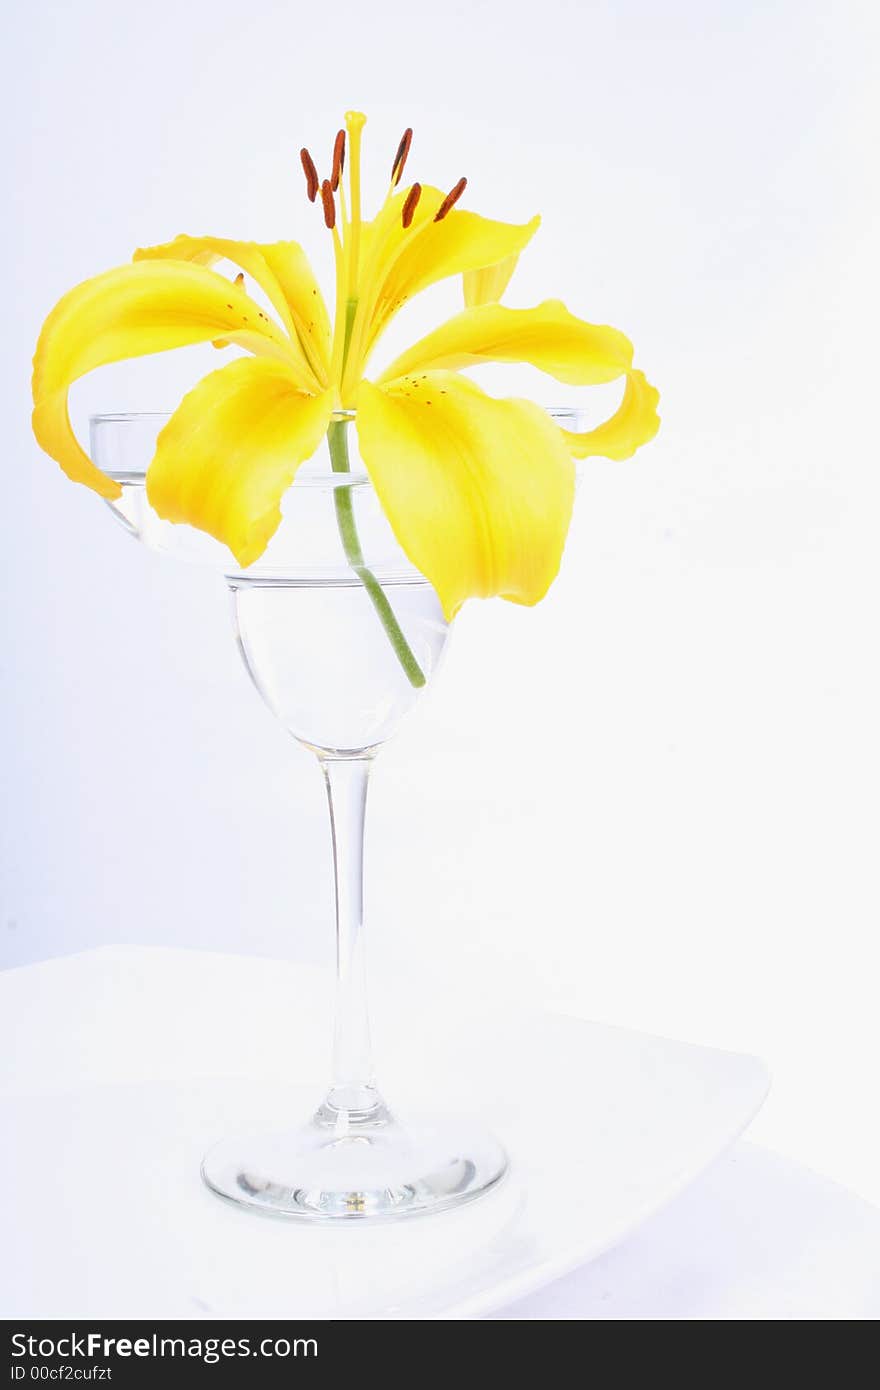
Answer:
[(478, 491)]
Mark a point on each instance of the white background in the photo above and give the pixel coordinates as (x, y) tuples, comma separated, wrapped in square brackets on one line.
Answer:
[(653, 799)]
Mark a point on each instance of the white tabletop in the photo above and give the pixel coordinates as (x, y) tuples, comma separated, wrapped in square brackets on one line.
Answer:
[(115, 1062)]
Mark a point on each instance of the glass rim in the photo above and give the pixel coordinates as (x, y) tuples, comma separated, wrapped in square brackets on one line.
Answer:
[(567, 417), (559, 413)]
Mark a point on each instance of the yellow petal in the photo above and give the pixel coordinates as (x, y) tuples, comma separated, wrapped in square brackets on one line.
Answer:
[(556, 342), (488, 285), (231, 450), (634, 423), (129, 312), (548, 336), (398, 262), (282, 271), (463, 241), (478, 491)]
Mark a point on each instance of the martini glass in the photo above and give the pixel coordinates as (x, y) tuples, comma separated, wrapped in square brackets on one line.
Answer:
[(339, 634)]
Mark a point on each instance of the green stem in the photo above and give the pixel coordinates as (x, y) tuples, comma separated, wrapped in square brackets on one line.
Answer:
[(351, 306), (338, 443)]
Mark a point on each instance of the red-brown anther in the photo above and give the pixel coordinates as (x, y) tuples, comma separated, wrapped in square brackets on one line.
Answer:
[(239, 280), (410, 204), (400, 157), (450, 200), (311, 173), (338, 160), (329, 205)]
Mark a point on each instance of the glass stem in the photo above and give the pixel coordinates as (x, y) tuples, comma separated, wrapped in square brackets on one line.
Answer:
[(338, 444), (353, 1094)]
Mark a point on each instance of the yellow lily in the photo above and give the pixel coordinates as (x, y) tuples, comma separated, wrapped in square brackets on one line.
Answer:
[(478, 491)]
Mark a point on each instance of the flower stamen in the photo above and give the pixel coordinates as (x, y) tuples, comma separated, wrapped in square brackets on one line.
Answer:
[(354, 124), (401, 156), (450, 200), (338, 160), (329, 204), (410, 204), (313, 183)]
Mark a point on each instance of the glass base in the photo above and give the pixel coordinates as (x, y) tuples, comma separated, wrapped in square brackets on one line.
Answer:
[(355, 1165)]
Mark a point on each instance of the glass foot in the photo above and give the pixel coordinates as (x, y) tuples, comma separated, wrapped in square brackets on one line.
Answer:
[(354, 1165)]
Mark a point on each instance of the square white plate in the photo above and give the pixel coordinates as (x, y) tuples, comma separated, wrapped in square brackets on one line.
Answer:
[(106, 1119)]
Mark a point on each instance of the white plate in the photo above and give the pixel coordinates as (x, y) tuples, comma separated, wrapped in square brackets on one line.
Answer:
[(107, 1216), (756, 1238)]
